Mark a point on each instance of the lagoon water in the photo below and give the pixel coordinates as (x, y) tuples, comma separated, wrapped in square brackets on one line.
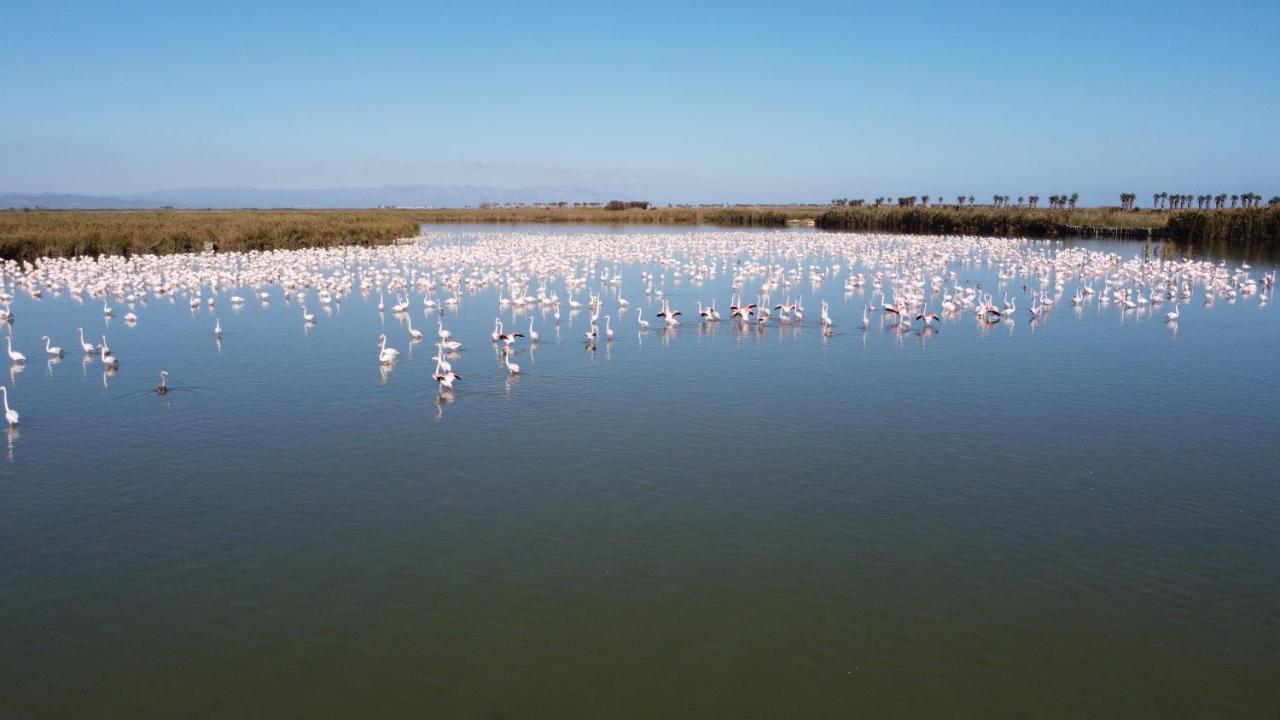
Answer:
[(1073, 517)]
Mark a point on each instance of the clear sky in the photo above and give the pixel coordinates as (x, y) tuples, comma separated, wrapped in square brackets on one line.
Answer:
[(684, 101)]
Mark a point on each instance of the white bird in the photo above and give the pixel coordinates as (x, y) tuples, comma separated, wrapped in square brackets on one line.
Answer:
[(444, 375), (386, 355), (14, 355), (307, 317), (1173, 315), (54, 351), (163, 387), (89, 347), (217, 327), (10, 415), (512, 368), (533, 334), (106, 355)]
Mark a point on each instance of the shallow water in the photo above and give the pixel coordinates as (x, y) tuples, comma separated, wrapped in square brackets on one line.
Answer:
[(1069, 517)]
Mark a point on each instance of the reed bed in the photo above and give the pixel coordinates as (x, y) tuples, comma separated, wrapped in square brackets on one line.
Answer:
[(742, 216), (29, 235), (984, 220), (1260, 225)]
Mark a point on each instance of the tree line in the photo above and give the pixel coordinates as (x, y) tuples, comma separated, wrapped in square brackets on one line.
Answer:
[(1128, 201), (1063, 201)]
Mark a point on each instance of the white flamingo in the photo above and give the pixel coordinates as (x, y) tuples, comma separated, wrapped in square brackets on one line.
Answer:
[(53, 351), (14, 355), (386, 355), (10, 415), (108, 358)]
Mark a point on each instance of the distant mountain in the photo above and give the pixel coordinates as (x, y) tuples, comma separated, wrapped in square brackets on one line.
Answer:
[(340, 197), (62, 201)]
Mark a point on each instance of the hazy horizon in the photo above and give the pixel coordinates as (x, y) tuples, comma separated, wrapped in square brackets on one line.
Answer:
[(668, 103)]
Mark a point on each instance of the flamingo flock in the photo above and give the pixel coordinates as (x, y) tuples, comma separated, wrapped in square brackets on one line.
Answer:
[(913, 283)]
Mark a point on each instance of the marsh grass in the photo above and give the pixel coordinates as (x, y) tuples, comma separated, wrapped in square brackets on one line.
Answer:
[(1253, 226), (984, 220), (29, 235)]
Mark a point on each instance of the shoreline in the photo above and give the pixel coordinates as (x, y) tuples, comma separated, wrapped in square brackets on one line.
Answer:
[(31, 234)]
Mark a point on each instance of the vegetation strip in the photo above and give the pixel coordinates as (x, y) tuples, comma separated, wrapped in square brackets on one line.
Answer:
[(26, 235)]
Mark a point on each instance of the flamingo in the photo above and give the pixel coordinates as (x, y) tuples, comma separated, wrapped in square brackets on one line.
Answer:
[(53, 351), (512, 368), (217, 327), (533, 334), (1173, 315), (107, 357), (89, 347), (14, 355), (608, 329), (10, 415), (386, 355), (509, 339), (307, 317), (444, 375), (163, 387), (415, 334)]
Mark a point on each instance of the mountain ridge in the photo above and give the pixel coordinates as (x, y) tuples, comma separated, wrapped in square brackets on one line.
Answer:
[(248, 197)]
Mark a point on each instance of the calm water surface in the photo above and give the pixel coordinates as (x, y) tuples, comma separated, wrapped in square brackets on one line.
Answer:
[(1075, 517)]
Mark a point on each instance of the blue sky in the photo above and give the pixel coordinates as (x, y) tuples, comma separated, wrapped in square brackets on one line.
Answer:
[(685, 101)]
